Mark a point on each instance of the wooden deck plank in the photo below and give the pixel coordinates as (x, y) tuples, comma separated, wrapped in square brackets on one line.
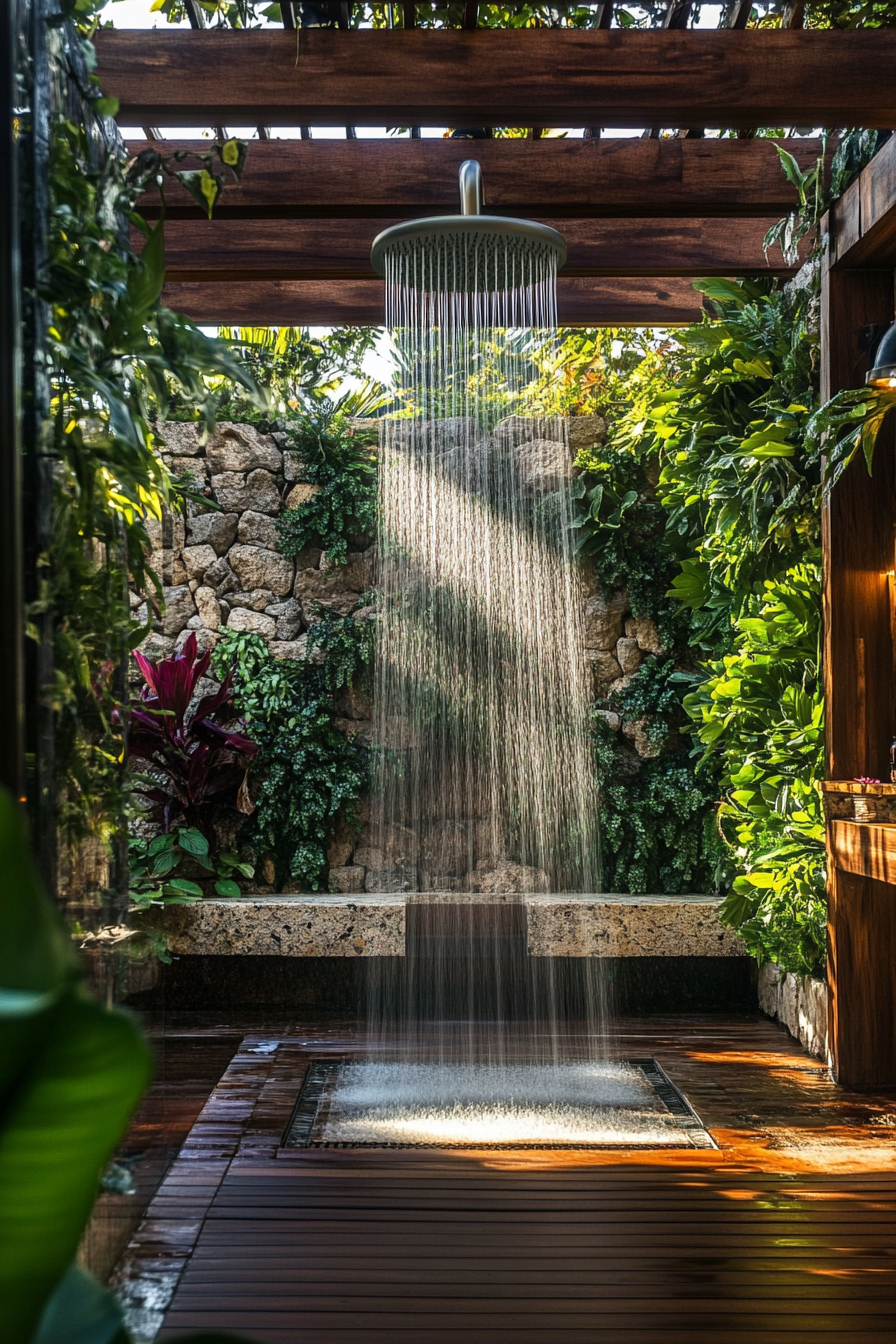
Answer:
[(786, 1234)]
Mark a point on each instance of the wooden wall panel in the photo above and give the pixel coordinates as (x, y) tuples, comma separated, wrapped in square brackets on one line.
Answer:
[(859, 524), (862, 979)]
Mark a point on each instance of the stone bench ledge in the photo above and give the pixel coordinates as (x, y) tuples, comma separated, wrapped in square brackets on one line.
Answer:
[(374, 925)]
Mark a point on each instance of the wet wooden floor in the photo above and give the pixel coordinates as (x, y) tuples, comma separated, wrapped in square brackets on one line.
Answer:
[(786, 1233)]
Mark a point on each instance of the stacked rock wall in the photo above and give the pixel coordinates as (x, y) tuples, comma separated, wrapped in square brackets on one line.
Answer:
[(222, 568)]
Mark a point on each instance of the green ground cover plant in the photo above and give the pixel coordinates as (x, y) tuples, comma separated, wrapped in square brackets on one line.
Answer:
[(306, 774)]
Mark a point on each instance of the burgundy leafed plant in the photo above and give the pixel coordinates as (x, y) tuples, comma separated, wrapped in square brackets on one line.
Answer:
[(199, 765)]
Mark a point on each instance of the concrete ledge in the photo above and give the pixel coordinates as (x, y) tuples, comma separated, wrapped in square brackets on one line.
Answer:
[(374, 925)]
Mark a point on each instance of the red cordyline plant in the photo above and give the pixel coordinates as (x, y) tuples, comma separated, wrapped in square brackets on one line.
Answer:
[(199, 765)]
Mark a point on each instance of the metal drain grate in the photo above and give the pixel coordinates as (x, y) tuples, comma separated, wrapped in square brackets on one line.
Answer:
[(303, 1130)]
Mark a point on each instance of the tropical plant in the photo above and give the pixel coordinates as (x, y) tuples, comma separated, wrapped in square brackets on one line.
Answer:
[(114, 357), (308, 774), (71, 1072), (760, 712), (152, 863), (198, 765), (341, 461)]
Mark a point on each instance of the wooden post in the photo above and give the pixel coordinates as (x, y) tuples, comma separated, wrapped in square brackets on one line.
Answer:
[(858, 528)]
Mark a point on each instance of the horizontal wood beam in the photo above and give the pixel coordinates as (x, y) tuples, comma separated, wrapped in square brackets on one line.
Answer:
[(863, 848), (566, 178), (862, 223), (581, 302), (305, 249), (516, 77)]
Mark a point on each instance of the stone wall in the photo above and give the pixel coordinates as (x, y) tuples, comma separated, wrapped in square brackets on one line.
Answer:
[(222, 568), (799, 1003)]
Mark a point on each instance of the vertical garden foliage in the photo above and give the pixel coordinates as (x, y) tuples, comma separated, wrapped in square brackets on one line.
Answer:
[(734, 521), (306, 772), (114, 357)]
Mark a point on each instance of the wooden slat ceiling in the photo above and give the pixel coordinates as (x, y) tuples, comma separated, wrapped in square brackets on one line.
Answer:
[(517, 77)]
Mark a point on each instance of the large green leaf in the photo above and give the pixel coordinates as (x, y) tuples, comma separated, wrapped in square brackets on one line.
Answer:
[(81, 1311), (62, 1122), (71, 1071)]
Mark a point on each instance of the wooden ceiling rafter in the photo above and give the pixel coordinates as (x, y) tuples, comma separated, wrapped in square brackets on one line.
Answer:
[(660, 301), (228, 250), (607, 178), (507, 77)]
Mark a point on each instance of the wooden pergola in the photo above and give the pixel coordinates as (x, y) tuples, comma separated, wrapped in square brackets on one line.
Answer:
[(641, 216)]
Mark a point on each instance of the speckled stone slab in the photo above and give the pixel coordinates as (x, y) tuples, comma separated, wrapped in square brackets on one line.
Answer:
[(286, 926), (373, 925), (628, 926)]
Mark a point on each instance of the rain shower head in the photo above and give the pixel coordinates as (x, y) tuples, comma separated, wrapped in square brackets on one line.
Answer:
[(469, 252)]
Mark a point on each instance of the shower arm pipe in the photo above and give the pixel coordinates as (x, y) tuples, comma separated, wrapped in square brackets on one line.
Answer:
[(469, 182)]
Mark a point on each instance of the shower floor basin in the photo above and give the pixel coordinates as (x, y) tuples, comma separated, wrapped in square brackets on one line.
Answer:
[(620, 1104)]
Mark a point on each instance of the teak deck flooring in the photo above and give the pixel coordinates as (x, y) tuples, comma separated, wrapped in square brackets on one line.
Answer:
[(787, 1233)]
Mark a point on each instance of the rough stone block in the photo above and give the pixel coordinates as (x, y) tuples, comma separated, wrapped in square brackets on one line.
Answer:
[(584, 431), (300, 494), (221, 577), (208, 607), (645, 633), (169, 565), (242, 448), (294, 467), (291, 650), (258, 529), (637, 733), (155, 647), (613, 721), (628, 655), (347, 880), (259, 599), (185, 438), (505, 877), (288, 616), (605, 669), (179, 607), (237, 493), (213, 529), (198, 559), (356, 730), (192, 467), (317, 592), (353, 703), (256, 567), (768, 989), (253, 621), (544, 464), (603, 621)]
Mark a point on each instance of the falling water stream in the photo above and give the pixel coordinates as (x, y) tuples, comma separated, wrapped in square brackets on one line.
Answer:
[(484, 784)]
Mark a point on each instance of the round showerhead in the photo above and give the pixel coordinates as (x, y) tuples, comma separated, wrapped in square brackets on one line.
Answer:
[(471, 251)]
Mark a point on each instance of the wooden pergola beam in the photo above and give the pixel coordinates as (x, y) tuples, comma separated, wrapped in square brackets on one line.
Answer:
[(516, 77), (566, 178), (302, 249), (581, 302)]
